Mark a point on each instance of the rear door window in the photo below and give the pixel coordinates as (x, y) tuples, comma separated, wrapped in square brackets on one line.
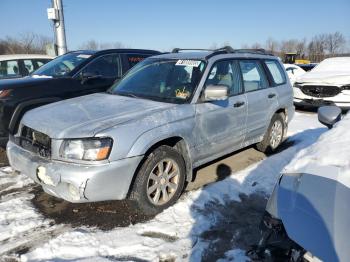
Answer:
[(9, 69), (253, 75), (107, 66), (28, 66), (276, 72), (39, 63)]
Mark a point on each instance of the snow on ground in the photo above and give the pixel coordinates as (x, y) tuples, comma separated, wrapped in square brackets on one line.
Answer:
[(175, 234), (332, 149)]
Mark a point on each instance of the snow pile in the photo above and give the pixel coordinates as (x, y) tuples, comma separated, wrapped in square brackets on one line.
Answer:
[(332, 148)]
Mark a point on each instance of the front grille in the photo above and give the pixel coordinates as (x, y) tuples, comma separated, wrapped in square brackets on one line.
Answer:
[(35, 141), (320, 91)]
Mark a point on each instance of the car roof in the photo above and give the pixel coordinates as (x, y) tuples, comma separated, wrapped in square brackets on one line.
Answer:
[(118, 50), (218, 54), (24, 56)]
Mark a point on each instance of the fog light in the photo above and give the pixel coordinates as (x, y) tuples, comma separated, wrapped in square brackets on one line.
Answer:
[(74, 192)]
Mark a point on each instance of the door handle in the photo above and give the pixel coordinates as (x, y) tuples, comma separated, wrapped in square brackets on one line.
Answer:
[(271, 95), (238, 104)]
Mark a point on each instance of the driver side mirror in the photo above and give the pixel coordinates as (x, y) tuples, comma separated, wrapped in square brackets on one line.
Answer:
[(215, 92), (87, 76), (329, 115)]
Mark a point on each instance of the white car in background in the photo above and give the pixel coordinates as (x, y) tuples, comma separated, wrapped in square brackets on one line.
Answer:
[(16, 66), (327, 84), (293, 72)]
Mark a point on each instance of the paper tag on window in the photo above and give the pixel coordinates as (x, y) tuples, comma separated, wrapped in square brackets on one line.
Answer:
[(191, 63), (183, 94), (83, 56)]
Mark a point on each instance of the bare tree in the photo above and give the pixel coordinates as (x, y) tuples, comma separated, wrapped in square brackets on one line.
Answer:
[(272, 45), (256, 46), (316, 47), (91, 44), (25, 44), (111, 45), (245, 46), (301, 47), (319, 47), (289, 46), (335, 42), (94, 45)]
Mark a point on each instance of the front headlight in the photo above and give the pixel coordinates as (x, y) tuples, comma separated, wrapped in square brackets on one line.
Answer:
[(5, 93), (346, 87), (90, 149)]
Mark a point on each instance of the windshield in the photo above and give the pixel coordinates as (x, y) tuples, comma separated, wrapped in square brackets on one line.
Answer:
[(62, 65), (163, 80)]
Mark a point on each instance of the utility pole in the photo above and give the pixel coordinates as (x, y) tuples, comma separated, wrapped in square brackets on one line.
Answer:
[(56, 15)]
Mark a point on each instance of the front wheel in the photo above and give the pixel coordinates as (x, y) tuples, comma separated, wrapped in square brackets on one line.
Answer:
[(274, 135), (160, 180)]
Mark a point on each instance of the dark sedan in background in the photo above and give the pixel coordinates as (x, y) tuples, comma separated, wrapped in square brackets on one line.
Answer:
[(73, 74)]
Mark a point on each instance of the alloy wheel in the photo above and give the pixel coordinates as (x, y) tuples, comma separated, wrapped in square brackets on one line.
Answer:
[(163, 182)]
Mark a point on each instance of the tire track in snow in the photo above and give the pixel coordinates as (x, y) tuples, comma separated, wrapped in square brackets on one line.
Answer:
[(30, 239)]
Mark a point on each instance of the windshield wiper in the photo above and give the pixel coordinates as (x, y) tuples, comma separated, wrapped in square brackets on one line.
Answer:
[(128, 94)]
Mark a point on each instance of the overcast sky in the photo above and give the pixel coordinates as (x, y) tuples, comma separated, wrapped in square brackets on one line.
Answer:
[(162, 24)]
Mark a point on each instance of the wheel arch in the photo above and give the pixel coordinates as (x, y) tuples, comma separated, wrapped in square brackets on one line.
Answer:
[(284, 113), (177, 142)]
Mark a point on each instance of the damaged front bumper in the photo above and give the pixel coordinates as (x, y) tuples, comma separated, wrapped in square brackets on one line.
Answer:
[(75, 183)]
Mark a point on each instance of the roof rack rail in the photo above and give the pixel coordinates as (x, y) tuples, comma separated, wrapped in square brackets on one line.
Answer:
[(177, 50), (222, 50), (254, 51), (225, 50)]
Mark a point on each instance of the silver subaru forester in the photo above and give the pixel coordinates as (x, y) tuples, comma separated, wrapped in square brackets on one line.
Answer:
[(169, 114)]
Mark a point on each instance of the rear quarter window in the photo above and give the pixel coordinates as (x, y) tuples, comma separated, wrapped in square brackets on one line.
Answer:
[(276, 72)]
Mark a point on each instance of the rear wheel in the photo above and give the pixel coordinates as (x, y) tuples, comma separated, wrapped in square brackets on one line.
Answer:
[(160, 180), (274, 134)]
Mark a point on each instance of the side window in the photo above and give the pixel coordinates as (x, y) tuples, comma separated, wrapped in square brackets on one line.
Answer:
[(276, 71), (40, 63), (226, 73), (28, 66), (106, 66), (253, 75), (133, 59), (9, 69)]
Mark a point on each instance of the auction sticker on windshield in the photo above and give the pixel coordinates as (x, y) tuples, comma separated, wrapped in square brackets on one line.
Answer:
[(191, 63), (83, 56)]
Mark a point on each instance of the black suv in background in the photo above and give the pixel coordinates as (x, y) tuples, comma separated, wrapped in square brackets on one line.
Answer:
[(73, 74)]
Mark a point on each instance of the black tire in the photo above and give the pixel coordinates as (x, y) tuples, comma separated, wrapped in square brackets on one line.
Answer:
[(265, 145), (139, 189)]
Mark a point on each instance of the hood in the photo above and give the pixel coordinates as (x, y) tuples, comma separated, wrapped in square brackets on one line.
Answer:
[(87, 115), (23, 82), (337, 78)]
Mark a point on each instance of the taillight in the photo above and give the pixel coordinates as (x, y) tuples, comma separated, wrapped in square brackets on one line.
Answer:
[(5, 93)]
